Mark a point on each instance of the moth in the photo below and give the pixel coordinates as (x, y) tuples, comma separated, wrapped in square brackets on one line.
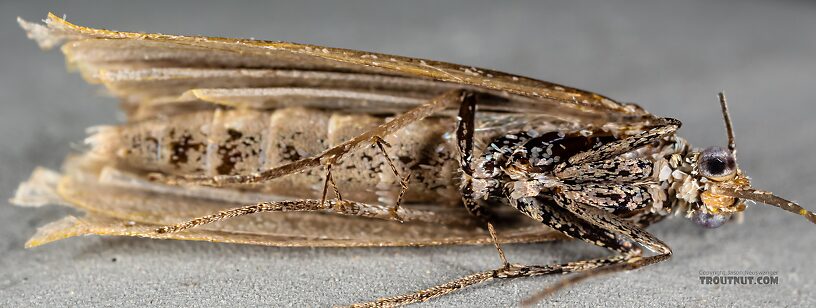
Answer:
[(284, 144)]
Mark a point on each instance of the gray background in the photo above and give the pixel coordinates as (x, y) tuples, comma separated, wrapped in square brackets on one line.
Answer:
[(671, 58)]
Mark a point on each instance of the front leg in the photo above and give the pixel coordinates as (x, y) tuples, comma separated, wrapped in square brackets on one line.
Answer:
[(614, 224), (664, 127)]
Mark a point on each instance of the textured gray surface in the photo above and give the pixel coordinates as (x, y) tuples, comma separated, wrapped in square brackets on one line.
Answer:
[(671, 58)]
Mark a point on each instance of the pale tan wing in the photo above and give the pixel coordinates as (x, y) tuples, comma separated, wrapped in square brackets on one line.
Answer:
[(164, 90), (125, 207), (99, 53), (93, 224), (152, 83)]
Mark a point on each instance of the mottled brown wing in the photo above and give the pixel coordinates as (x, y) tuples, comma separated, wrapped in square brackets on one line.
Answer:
[(160, 69)]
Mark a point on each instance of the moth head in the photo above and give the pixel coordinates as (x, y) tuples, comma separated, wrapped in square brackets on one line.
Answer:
[(716, 168), (724, 186)]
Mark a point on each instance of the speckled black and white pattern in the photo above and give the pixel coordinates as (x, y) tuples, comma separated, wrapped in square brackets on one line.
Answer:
[(532, 163)]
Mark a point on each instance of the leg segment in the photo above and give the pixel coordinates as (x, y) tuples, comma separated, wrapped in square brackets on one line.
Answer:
[(465, 129), (329, 180), (625, 264), (382, 144), (664, 127), (613, 224), (493, 236), (343, 207)]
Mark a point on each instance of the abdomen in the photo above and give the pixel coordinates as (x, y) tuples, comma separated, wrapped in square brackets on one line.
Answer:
[(246, 141)]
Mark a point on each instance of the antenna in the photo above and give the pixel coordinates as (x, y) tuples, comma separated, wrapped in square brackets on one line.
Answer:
[(732, 146)]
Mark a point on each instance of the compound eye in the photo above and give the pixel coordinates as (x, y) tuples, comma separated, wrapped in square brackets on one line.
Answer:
[(717, 164), (707, 220)]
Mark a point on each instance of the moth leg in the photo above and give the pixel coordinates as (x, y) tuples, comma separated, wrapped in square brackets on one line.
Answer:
[(551, 215), (329, 180), (447, 287), (664, 127), (595, 226), (626, 264), (512, 271), (614, 224), (592, 225), (330, 156), (499, 249), (465, 129), (382, 144), (343, 207)]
